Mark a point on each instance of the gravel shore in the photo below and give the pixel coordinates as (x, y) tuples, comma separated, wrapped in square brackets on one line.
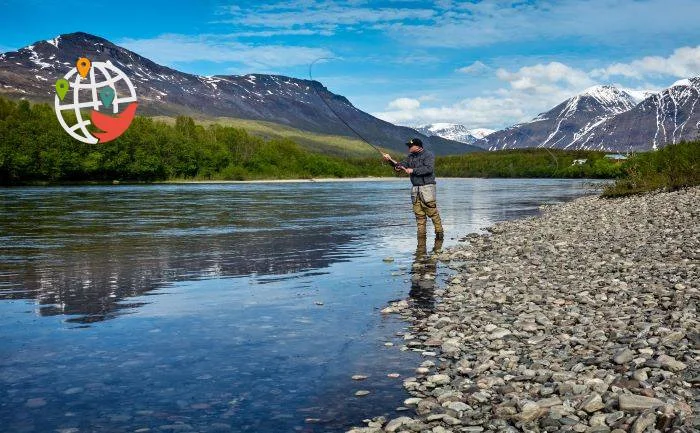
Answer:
[(583, 319)]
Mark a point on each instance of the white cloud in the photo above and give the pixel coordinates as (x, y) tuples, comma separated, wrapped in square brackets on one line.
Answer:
[(472, 112), (532, 89), (543, 78), (476, 68), (527, 92), (404, 104), (683, 63), (169, 49)]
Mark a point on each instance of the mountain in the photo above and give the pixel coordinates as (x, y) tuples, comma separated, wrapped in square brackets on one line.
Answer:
[(610, 119), (454, 131), (32, 71), (562, 126), (666, 117)]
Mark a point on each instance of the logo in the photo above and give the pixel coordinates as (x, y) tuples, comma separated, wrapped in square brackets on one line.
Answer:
[(103, 89)]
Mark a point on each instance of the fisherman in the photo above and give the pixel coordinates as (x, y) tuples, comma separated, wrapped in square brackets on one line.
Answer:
[(420, 166)]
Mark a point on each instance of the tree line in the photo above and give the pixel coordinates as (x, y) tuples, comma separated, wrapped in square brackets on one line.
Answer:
[(34, 148)]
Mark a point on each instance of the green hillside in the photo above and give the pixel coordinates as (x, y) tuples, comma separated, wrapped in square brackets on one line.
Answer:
[(34, 148), (334, 145)]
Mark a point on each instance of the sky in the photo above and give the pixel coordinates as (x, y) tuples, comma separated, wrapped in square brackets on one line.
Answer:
[(483, 64)]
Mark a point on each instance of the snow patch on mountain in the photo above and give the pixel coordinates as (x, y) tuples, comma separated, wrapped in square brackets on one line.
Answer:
[(640, 95), (34, 57), (616, 100), (54, 41), (454, 131)]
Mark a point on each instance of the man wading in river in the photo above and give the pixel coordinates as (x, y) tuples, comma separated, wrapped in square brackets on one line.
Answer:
[(420, 166)]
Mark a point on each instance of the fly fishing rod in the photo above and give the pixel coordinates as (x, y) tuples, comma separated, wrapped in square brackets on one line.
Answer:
[(337, 114)]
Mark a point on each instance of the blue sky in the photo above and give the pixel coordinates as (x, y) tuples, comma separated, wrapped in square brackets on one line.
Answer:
[(480, 63)]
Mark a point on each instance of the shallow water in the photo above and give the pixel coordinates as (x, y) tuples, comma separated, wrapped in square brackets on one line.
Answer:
[(220, 307)]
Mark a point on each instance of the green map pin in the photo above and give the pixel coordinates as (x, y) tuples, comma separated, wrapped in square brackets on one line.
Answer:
[(62, 87), (106, 95)]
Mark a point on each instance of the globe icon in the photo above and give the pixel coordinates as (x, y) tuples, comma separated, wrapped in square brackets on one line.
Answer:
[(81, 93)]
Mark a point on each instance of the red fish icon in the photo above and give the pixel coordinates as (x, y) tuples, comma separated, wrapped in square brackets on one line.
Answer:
[(113, 126)]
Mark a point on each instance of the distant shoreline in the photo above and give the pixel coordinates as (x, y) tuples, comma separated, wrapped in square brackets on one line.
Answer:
[(313, 180)]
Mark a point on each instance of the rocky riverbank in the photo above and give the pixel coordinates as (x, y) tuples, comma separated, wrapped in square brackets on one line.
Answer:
[(583, 319)]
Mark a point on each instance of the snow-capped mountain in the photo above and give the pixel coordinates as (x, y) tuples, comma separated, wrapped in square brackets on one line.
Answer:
[(562, 126), (610, 119), (666, 117), (32, 71), (454, 131)]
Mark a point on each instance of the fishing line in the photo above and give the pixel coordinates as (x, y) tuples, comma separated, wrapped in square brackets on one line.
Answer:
[(335, 112)]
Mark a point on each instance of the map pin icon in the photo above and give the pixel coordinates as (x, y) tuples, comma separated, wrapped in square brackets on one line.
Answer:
[(83, 64), (106, 95), (62, 87)]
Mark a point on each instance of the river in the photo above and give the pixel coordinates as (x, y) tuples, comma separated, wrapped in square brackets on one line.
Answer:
[(219, 307)]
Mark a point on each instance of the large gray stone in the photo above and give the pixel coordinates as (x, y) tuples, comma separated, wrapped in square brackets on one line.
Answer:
[(638, 403)]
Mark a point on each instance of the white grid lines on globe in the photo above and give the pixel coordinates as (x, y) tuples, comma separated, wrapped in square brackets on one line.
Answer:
[(95, 103), (93, 88), (111, 81), (71, 130), (82, 124)]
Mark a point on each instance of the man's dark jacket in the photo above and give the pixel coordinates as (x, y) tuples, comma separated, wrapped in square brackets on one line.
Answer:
[(423, 165)]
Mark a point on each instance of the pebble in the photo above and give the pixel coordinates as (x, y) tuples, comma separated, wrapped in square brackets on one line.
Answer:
[(592, 403), (361, 393), (359, 377), (633, 403), (584, 318)]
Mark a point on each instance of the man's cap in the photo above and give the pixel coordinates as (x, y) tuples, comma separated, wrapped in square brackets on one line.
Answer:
[(414, 142)]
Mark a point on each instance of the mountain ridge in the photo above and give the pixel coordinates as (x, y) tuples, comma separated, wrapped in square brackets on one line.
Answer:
[(454, 131), (31, 71), (609, 119)]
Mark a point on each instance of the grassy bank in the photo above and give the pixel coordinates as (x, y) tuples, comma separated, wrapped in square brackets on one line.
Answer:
[(668, 169)]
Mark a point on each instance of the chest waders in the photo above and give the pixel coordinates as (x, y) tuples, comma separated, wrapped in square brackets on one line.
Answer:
[(424, 200)]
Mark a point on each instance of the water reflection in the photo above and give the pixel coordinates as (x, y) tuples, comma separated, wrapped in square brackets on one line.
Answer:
[(423, 275), (83, 252), (91, 282)]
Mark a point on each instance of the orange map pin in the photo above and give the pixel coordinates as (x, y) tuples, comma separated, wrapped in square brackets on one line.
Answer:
[(83, 64)]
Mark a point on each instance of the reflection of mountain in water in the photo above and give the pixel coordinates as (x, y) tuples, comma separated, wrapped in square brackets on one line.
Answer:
[(93, 281)]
